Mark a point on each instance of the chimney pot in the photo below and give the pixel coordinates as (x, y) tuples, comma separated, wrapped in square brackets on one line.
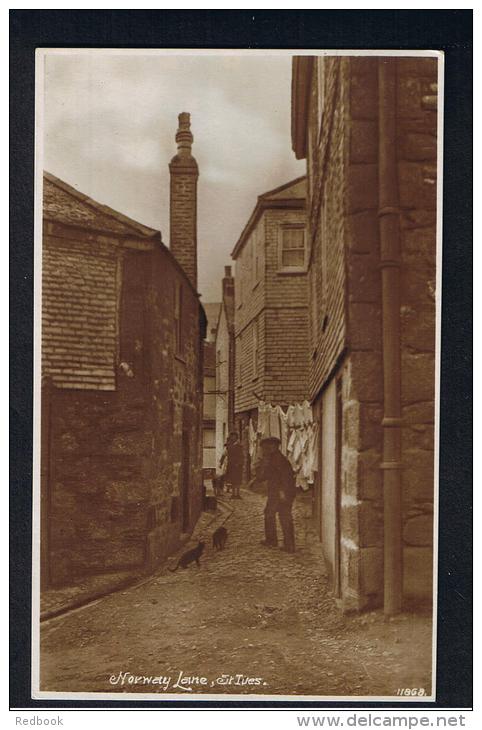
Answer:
[(227, 272), (184, 136)]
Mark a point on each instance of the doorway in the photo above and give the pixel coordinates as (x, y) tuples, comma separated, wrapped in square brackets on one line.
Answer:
[(330, 476)]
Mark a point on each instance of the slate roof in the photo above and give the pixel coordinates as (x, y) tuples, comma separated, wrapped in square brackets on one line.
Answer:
[(64, 204), (292, 193)]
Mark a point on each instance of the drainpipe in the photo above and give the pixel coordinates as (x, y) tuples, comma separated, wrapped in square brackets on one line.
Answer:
[(389, 228)]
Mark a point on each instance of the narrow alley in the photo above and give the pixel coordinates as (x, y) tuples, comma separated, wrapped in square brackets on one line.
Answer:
[(251, 620)]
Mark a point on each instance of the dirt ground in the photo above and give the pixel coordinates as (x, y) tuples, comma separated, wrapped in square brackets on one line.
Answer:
[(251, 621)]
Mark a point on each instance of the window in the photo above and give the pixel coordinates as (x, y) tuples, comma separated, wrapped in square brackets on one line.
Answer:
[(209, 448), (209, 438), (292, 249), (178, 318), (255, 348)]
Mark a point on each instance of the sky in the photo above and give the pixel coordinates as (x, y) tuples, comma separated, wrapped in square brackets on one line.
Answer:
[(109, 128)]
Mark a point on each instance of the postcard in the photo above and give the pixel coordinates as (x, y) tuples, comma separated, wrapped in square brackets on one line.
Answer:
[(238, 291)]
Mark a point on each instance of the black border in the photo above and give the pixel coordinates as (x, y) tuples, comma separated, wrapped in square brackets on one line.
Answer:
[(446, 30)]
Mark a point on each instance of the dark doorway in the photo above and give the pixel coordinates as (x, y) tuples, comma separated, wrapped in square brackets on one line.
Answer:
[(185, 474)]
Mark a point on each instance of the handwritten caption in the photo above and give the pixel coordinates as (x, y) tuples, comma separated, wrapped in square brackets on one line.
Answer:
[(184, 682)]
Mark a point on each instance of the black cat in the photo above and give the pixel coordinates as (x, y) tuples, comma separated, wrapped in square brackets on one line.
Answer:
[(189, 557), (219, 538)]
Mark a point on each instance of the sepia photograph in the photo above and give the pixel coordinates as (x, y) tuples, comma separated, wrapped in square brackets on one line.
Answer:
[(237, 350)]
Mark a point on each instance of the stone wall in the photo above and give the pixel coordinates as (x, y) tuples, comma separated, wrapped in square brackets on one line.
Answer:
[(118, 493), (417, 176), (362, 505), (176, 388), (345, 313)]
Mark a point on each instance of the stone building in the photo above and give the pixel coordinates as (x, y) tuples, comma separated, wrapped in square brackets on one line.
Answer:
[(122, 333), (225, 364), (209, 409), (367, 128), (271, 305), (209, 390)]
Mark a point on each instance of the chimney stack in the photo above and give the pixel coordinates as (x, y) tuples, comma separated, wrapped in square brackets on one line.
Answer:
[(183, 201)]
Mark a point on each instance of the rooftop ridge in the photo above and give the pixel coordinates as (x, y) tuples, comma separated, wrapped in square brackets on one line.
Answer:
[(145, 231)]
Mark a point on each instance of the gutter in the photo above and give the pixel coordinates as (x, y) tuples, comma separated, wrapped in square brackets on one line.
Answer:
[(389, 230)]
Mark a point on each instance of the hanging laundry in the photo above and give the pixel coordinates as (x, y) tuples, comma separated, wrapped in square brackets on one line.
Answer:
[(263, 419), (299, 416), (312, 455), (274, 422), (252, 439), (290, 416), (307, 467), (291, 446), (298, 446), (307, 412), (283, 420), (298, 436)]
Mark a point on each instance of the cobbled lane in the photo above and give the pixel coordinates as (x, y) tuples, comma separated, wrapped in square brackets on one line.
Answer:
[(252, 620)]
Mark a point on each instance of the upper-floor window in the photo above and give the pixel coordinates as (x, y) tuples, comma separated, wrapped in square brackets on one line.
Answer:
[(292, 252), (178, 334)]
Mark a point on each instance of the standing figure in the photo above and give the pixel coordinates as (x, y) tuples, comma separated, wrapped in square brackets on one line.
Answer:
[(234, 468), (221, 474), (276, 470)]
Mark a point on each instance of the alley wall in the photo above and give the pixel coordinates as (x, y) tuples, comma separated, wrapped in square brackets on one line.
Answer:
[(118, 490)]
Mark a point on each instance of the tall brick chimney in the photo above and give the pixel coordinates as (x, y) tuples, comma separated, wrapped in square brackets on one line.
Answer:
[(228, 283), (183, 204)]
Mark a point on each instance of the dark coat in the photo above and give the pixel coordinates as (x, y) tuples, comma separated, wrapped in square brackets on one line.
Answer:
[(234, 469), (276, 470)]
